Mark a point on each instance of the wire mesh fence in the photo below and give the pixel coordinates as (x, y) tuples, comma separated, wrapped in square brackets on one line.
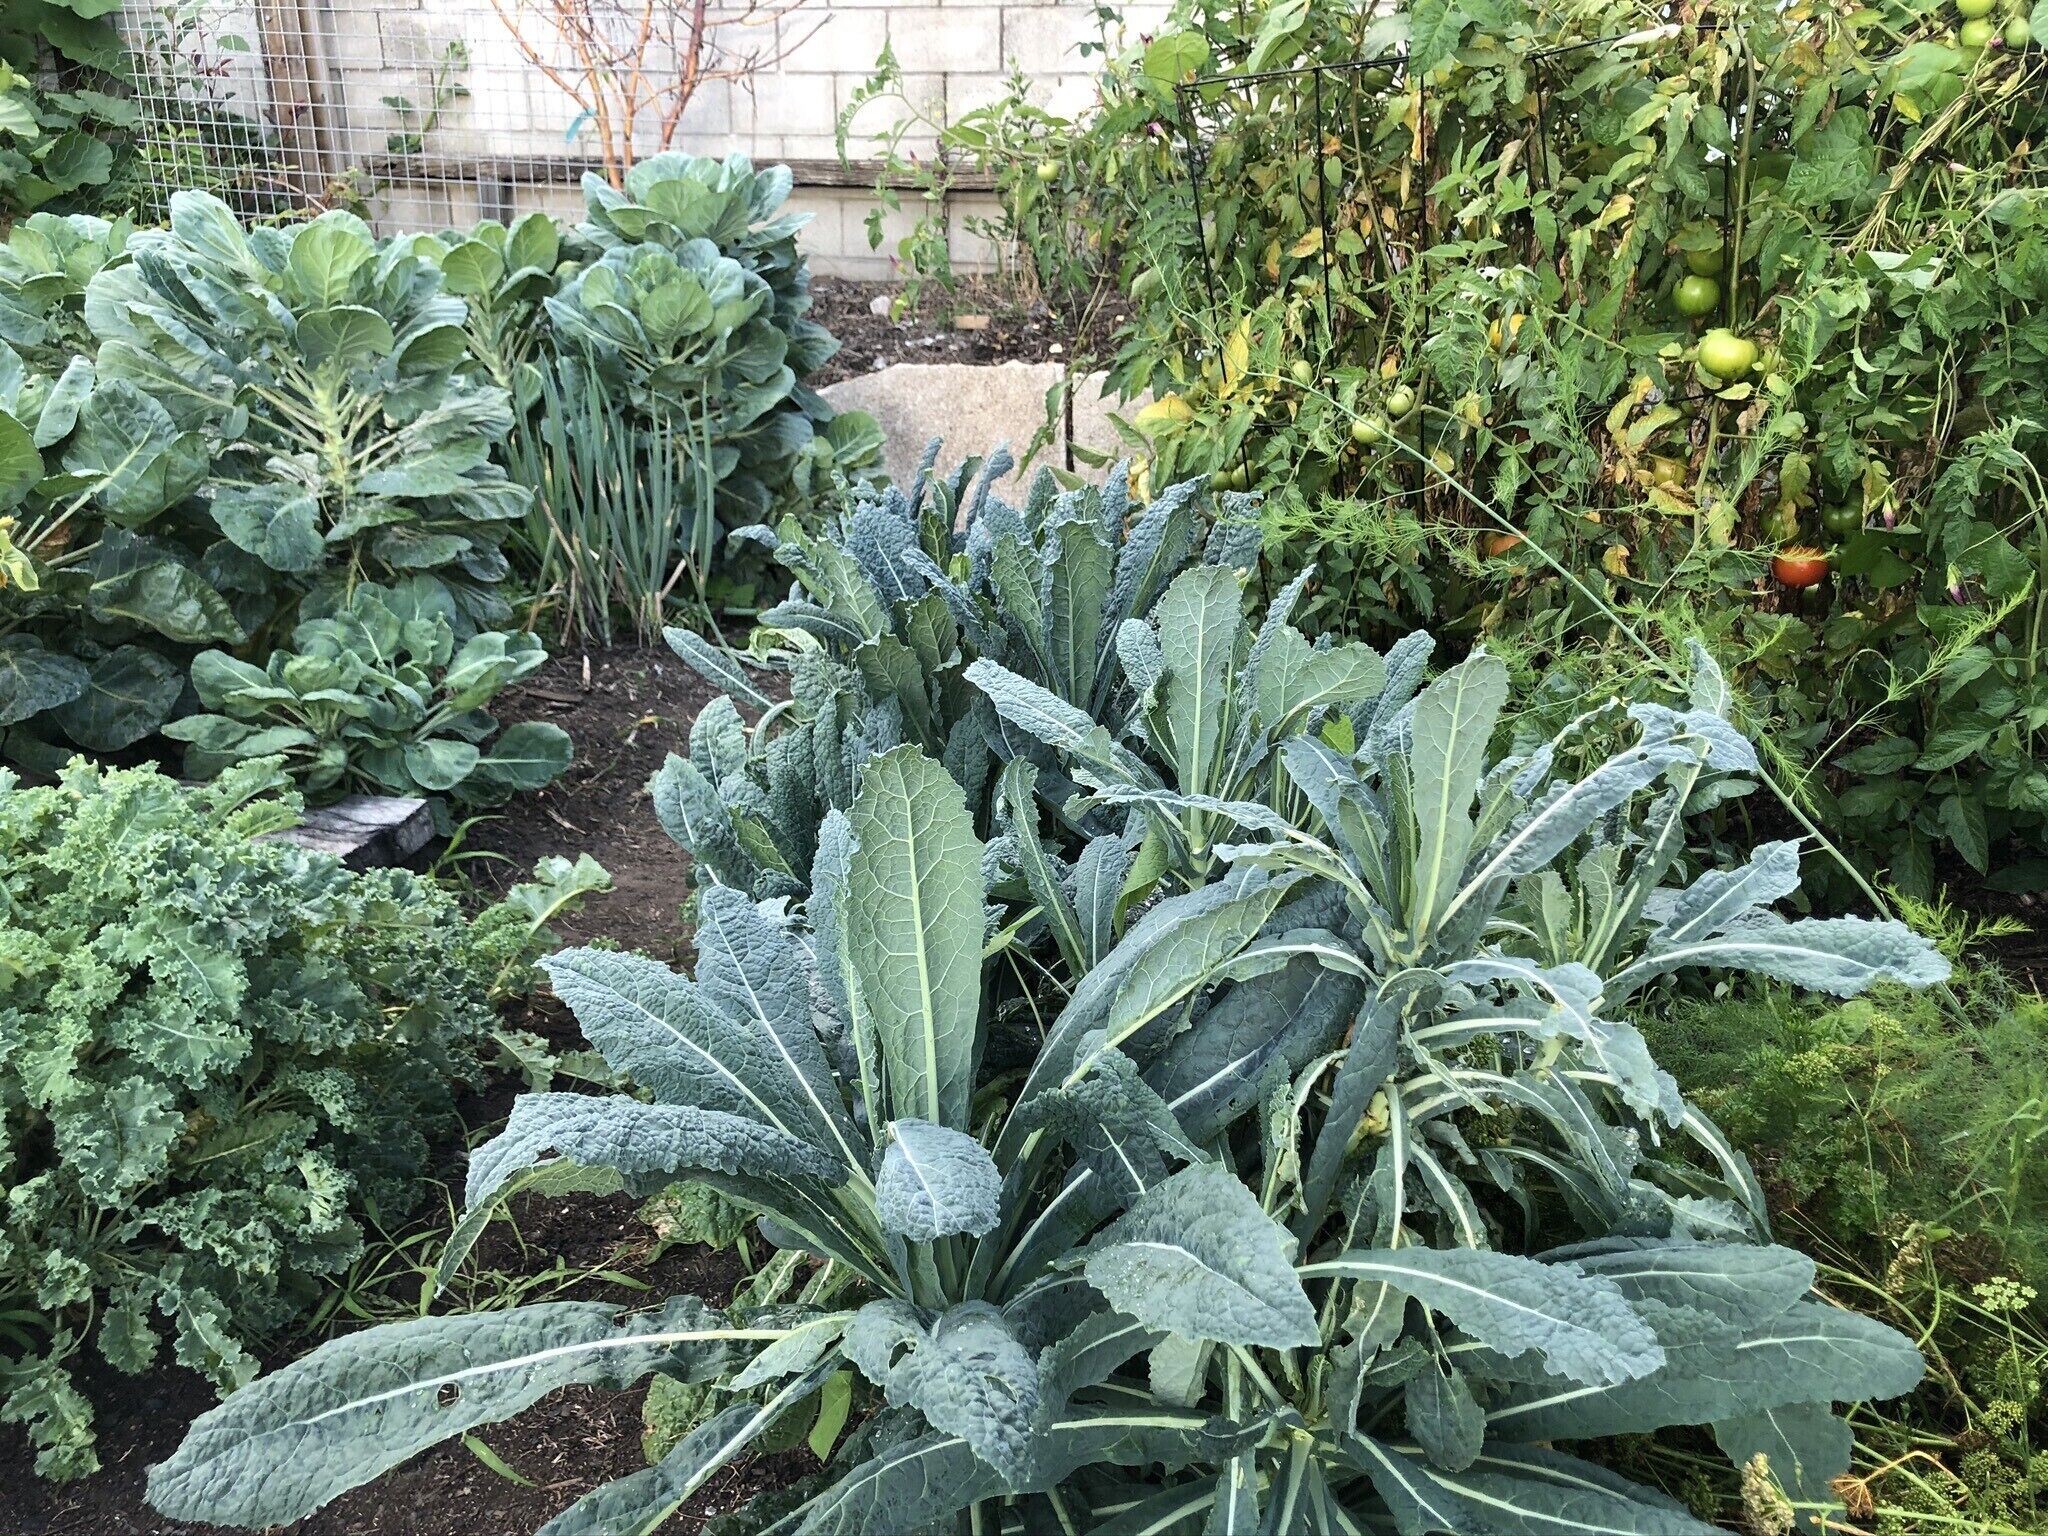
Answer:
[(432, 112)]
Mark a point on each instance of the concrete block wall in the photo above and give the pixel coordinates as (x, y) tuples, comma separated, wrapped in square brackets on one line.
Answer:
[(370, 56)]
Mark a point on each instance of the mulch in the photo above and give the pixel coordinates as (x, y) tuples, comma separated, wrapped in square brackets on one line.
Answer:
[(1076, 331), (626, 709)]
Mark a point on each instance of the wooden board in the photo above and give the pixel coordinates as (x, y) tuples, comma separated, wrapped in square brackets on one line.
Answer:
[(568, 170), (366, 831)]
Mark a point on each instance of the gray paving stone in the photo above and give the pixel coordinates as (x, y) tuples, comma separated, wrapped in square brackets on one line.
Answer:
[(975, 406)]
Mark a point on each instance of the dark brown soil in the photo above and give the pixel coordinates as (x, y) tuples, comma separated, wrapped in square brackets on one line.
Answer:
[(563, 1447), (1019, 329), (626, 709)]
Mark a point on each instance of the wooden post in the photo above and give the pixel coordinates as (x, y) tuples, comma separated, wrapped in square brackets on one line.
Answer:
[(293, 75)]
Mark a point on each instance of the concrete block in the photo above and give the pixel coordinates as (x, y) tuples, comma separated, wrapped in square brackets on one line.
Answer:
[(796, 146), (497, 64), (1066, 95), (971, 244), (836, 241), (402, 45), (929, 39), (364, 831), (413, 207), (972, 407), (859, 268), (897, 225), (927, 93), (718, 106), (1092, 404), (550, 111), (970, 247), (849, 42), (718, 120), (564, 202), (826, 230), (792, 106), (968, 92), (1043, 42)]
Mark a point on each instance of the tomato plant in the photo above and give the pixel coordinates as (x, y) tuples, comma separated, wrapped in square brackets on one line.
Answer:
[(1491, 228)]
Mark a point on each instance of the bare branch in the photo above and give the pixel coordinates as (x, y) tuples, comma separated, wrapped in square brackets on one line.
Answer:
[(633, 63)]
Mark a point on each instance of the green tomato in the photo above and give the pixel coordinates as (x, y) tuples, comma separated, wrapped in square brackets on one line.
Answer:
[(1302, 373), (1842, 519), (2018, 34), (1048, 170), (1781, 525), (1367, 430), (1727, 355), (1970, 10), (1975, 36), (1400, 402), (1707, 263), (1696, 296)]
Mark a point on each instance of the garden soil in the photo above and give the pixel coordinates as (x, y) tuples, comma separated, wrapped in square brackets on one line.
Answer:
[(625, 709), (561, 1448), (1018, 329)]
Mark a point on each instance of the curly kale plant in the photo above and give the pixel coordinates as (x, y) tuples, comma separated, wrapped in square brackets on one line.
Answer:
[(1332, 1193), (378, 699), (216, 1048)]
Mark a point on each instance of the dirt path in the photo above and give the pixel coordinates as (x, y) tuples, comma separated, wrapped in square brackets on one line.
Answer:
[(626, 709)]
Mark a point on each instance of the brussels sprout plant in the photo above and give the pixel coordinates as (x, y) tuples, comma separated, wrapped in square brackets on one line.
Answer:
[(322, 376), (377, 698)]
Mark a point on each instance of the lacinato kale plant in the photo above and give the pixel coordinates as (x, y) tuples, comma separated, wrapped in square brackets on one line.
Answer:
[(1323, 1187), (892, 602)]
